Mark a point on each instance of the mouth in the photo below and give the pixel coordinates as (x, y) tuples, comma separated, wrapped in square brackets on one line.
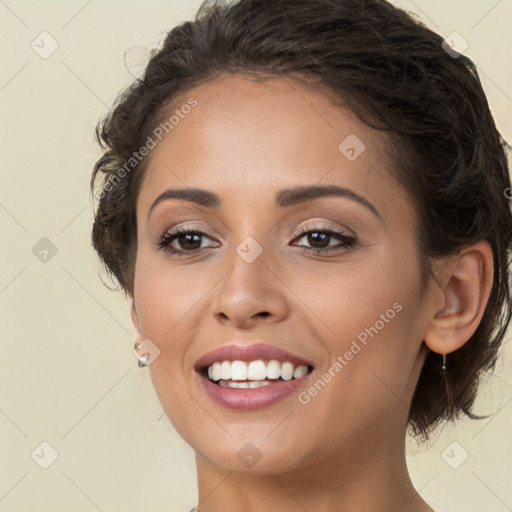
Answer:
[(254, 374), (251, 377)]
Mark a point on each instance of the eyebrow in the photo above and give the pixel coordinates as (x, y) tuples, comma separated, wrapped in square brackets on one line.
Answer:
[(284, 198)]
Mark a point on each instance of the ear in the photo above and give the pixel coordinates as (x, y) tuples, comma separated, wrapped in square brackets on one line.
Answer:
[(465, 294), (134, 316)]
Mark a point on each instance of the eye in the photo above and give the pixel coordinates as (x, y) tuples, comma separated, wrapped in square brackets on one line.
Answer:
[(320, 238), (187, 241), (182, 241)]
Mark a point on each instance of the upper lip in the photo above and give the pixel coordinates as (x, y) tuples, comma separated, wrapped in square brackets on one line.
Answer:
[(236, 352)]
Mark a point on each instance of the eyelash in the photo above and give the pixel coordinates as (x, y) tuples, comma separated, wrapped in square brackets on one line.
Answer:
[(345, 241)]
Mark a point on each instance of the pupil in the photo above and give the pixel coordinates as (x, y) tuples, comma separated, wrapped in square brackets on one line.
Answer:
[(188, 241), (317, 237)]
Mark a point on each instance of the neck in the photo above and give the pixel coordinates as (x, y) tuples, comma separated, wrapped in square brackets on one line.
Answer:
[(369, 476)]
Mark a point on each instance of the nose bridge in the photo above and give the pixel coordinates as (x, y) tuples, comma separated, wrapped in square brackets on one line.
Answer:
[(250, 286), (250, 268)]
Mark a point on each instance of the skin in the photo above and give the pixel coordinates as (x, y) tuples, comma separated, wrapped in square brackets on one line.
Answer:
[(344, 450)]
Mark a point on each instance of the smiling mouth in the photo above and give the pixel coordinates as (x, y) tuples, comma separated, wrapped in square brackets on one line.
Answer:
[(253, 374)]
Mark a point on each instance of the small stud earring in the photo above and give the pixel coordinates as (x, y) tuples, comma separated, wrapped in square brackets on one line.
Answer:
[(143, 361)]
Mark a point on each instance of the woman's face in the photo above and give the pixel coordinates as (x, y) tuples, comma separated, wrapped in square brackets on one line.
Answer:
[(332, 279)]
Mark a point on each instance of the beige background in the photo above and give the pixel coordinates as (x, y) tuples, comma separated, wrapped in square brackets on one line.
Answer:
[(68, 376)]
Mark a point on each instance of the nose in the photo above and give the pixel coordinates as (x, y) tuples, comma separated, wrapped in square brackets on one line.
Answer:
[(250, 293)]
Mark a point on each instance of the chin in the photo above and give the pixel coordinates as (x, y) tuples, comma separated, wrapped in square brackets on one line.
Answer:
[(253, 454)]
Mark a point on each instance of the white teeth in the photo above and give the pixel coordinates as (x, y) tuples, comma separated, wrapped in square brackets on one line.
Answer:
[(238, 370), (258, 383), (238, 385), (273, 369), (255, 371), (243, 385), (287, 371), (216, 371), (300, 371), (225, 370)]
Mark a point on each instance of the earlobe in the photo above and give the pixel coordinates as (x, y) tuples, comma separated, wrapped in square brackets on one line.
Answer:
[(466, 292)]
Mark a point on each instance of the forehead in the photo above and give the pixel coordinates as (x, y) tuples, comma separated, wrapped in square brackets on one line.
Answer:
[(245, 137)]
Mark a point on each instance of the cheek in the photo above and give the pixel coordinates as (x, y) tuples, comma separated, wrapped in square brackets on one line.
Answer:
[(355, 296), (166, 300), (166, 296), (367, 317)]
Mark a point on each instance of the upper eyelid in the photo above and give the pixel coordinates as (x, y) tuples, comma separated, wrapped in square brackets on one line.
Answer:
[(324, 226), (318, 225)]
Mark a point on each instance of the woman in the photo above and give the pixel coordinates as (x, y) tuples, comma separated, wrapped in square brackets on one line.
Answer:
[(305, 202)]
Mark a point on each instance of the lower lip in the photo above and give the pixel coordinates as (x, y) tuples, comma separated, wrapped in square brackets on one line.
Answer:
[(253, 398)]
